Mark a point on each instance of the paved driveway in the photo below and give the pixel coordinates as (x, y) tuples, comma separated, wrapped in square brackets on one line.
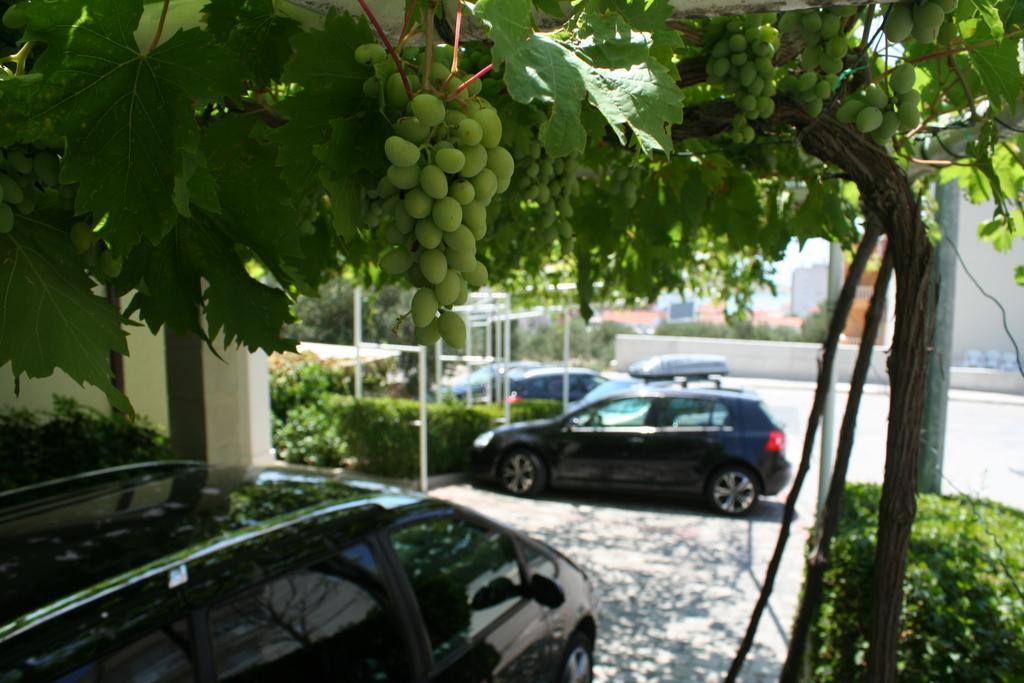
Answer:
[(676, 582)]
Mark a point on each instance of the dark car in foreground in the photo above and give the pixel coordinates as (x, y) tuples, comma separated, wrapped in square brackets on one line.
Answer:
[(178, 571), (718, 443)]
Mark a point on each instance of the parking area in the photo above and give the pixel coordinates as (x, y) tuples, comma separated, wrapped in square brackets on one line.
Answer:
[(676, 582)]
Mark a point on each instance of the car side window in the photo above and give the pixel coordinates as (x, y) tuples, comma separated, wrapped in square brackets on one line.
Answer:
[(626, 412), (683, 412), (162, 656), (720, 415), (539, 563), (325, 622), (465, 577)]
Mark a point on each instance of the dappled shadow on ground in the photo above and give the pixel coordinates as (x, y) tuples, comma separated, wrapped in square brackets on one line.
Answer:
[(676, 581)]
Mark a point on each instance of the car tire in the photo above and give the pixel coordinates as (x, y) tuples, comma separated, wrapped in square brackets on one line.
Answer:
[(577, 665), (522, 473), (732, 491)]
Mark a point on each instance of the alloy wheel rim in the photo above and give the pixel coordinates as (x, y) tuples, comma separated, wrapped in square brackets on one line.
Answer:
[(518, 474), (734, 492), (577, 666)]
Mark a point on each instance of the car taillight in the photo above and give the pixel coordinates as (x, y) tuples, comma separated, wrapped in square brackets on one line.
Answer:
[(776, 442), (514, 398)]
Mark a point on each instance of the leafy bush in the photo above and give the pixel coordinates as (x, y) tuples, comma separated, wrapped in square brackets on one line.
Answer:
[(312, 434), (301, 379), (962, 617), (530, 409), (74, 439)]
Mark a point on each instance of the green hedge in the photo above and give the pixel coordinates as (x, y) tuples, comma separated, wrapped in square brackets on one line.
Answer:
[(380, 436), (962, 617), (301, 380), (73, 439)]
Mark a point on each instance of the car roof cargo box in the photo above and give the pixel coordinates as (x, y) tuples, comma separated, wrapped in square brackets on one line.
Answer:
[(679, 365)]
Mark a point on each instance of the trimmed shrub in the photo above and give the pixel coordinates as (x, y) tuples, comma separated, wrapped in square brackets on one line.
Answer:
[(312, 434), (74, 439), (962, 617), (529, 409), (301, 379)]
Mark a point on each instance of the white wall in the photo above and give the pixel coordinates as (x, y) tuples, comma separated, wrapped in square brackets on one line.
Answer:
[(236, 397), (977, 321)]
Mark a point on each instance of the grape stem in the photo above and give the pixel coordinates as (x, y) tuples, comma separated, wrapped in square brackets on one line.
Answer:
[(407, 24), (469, 81), (428, 43), (159, 27), (387, 46), (455, 53), (19, 58)]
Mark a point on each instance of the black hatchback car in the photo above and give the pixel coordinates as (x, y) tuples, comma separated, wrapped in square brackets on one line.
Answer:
[(183, 572), (719, 443)]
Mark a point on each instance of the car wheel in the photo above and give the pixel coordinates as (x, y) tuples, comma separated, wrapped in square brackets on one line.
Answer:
[(578, 662), (522, 473), (732, 491)]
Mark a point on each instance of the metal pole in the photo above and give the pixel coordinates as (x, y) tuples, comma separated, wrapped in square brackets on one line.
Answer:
[(489, 351), (423, 417), (508, 359), (469, 351), (933, 434), (357, 326), (499, 353), (565, 357), (828, 414), (438, 364)]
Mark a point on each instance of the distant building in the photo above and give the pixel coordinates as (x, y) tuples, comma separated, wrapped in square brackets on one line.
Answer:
[(810, 289), (644, 321), (682, 312)]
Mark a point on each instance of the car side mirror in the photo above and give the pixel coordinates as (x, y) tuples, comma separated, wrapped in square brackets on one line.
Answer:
[(494, 593), (546, 591)]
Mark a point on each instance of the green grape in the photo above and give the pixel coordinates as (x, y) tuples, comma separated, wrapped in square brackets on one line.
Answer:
[(902, 79), (6, 219), (868, 119), (876, 96), (19, 161), (28, 203), (947, 33), (46, 167), (452, 328), (417, 203), (371, 87), (424, 306), (394, 235), (396, 261), (401, 152), (474, 215), (447, 291), (909, 117), (403, 220), (447, 214), (15, 17), (434, 182), (453, 117), (470, 133), (12, 192), (404, 177), (428, 234), (485, 183), (899, 24), (462, 261), (109, 264), (415, 278), (370, 53), (394, 92), (463, 192), (450, 160), (429, 109), (433, 265), (478, 276), (928, 18), (428, 334), (463, 294), (888, 127), (460, 239), (476, 160), (848, 111), (412, 129), (490, 125), (82, 237)]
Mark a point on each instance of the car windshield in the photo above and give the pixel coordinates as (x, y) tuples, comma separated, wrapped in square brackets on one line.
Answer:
[(608, 388)]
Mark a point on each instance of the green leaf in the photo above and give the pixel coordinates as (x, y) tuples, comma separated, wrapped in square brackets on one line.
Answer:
[(1018, 275), (170, 292), (51, 318), (332, 88), (989, 14), (127, 115), (999, 68), (255, 32)]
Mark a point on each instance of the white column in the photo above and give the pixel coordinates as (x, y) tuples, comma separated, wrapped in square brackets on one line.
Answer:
[(357, 336)]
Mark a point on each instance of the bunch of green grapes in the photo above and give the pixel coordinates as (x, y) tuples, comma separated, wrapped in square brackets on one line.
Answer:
[(874, 111), (25, 173), (546, 185), (624, 181), (741, 62), (445, 167), (825, 47), (925, 20)]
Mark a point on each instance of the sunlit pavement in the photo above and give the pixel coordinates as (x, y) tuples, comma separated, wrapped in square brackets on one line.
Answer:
[(676, 582)]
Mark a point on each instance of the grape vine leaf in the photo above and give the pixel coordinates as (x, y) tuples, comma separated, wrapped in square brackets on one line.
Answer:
[(999, 68), (50, 317), (127, 115), (255, 32), (169, 292), (640, 94)]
